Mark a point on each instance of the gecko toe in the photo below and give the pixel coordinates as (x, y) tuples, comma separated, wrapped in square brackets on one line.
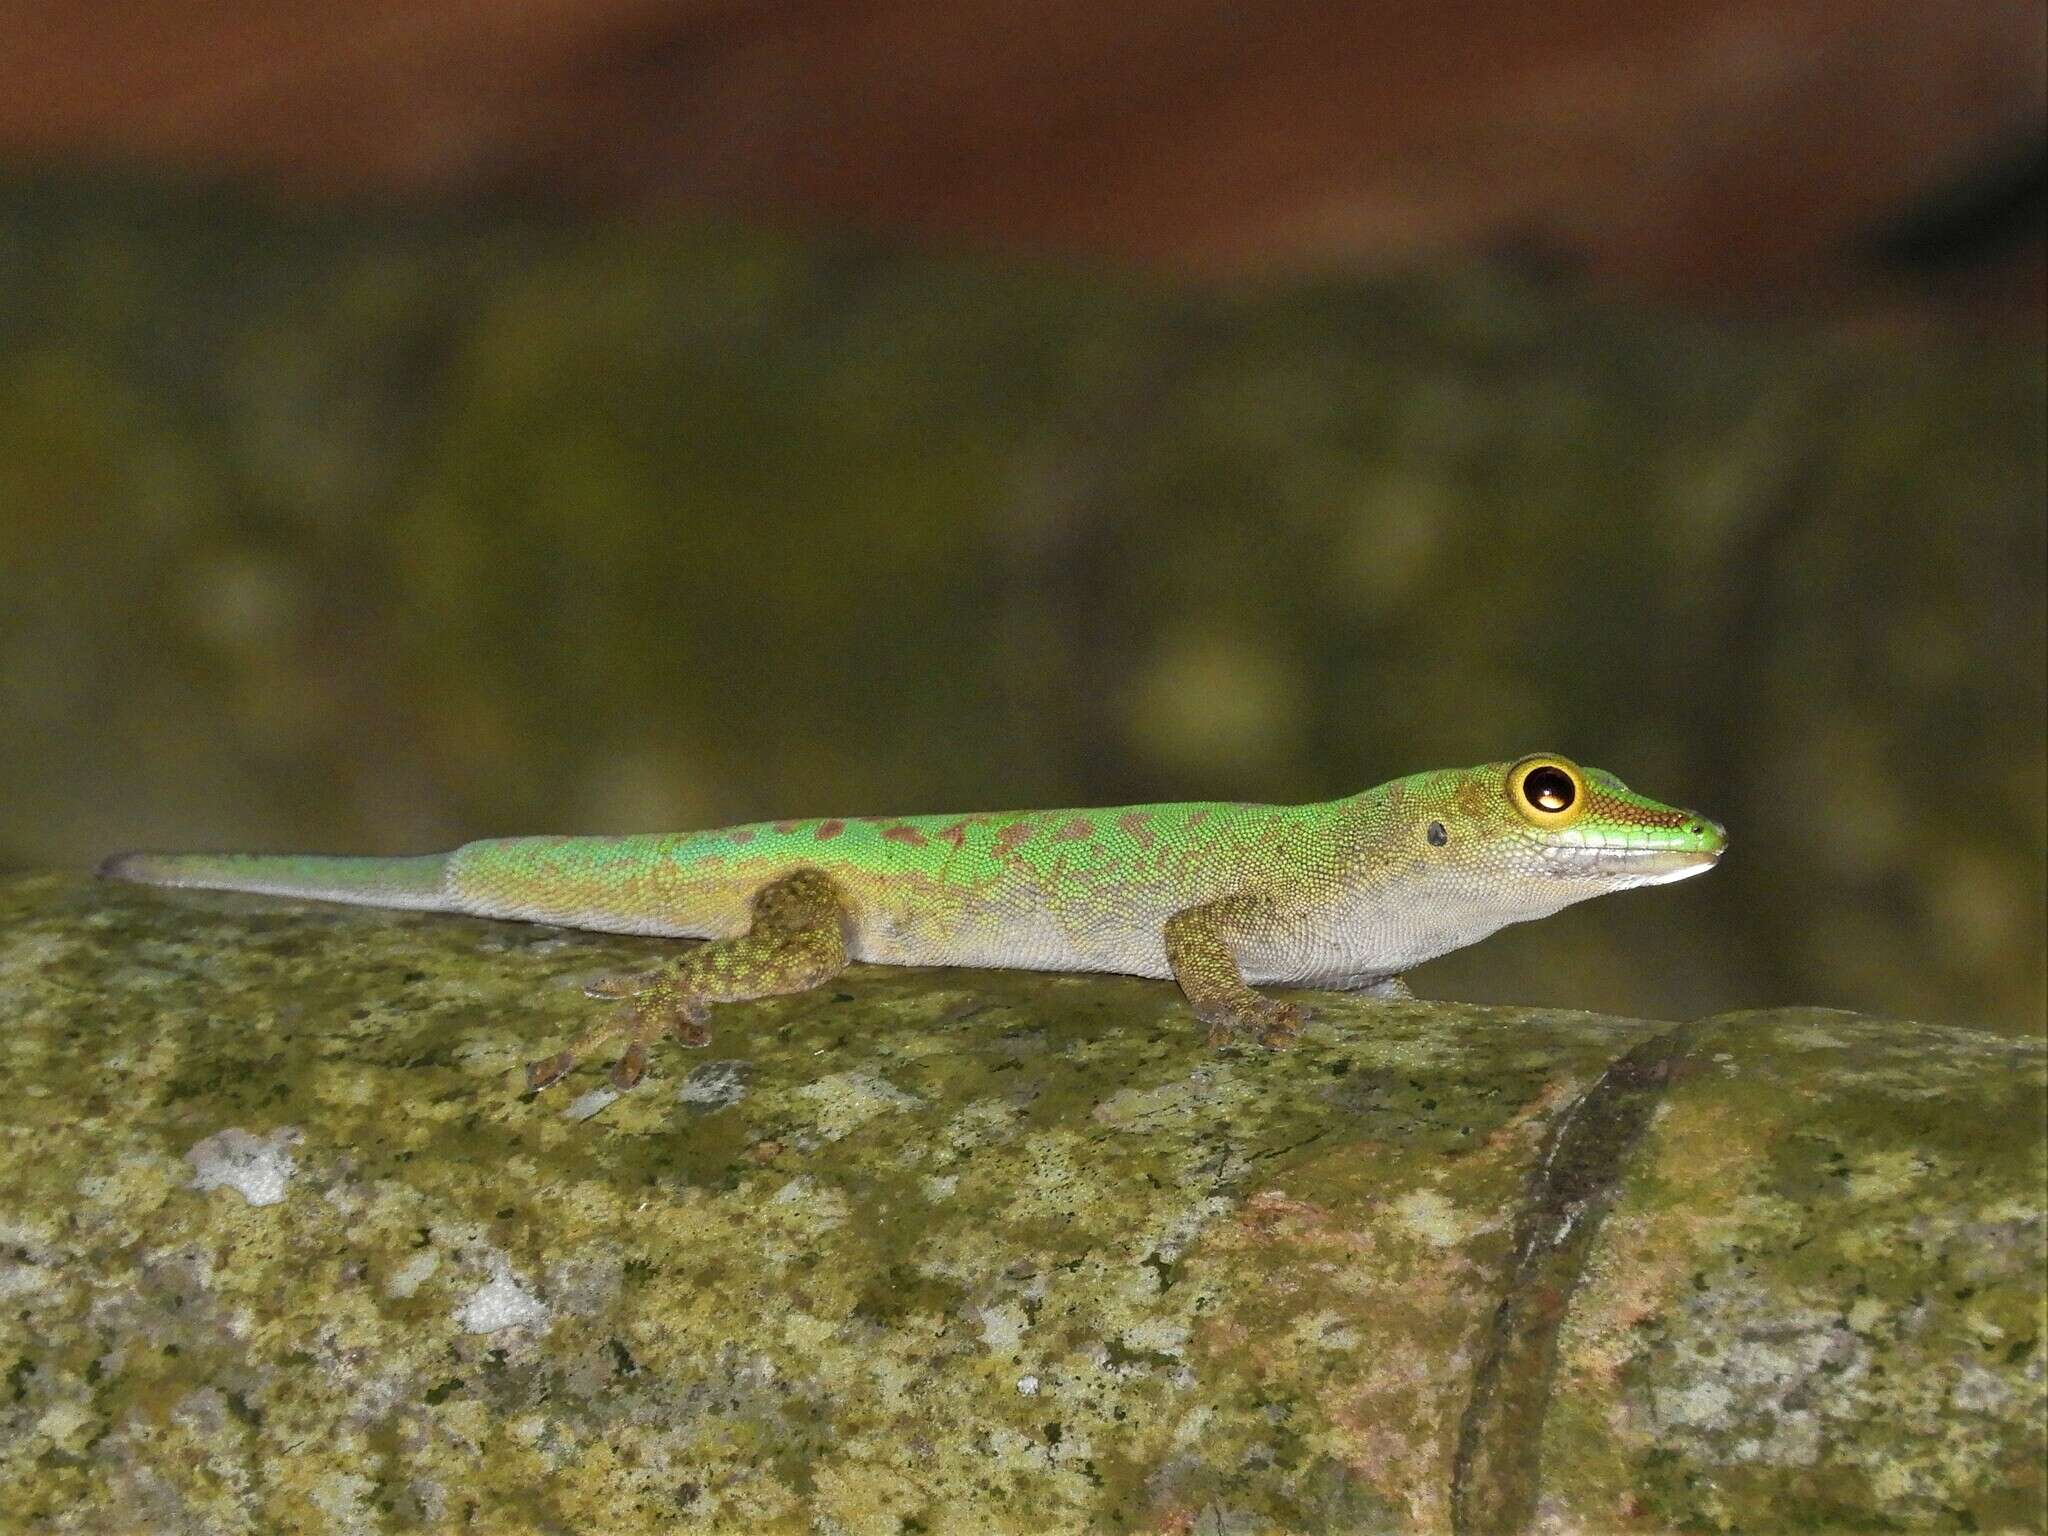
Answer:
[(630, 1067), (1279, 1025), (693, 1033), (547, 1070), (619, 984)]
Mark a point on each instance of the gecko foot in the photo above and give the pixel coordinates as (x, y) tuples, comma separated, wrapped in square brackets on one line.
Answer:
[(1275, 1025), (656, 1007)]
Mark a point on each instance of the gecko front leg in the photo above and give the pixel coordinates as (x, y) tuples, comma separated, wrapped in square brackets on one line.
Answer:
[(1200, 947), (797, 941), (1387, 988)]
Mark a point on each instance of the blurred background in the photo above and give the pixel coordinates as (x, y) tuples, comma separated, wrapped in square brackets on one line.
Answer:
[(422, 421)]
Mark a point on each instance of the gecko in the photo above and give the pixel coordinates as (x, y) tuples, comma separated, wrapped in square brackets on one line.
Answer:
[(1220, 896)]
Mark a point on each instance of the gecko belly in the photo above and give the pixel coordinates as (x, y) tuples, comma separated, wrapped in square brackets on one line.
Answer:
[(1004, 935)]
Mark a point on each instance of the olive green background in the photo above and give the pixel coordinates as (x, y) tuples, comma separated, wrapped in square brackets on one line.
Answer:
[(377, 532)]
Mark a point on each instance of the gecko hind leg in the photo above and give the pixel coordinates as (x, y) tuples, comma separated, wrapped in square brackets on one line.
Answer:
[(797, 941)]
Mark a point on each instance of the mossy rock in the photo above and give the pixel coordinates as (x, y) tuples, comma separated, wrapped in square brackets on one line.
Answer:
[(284, 1248)]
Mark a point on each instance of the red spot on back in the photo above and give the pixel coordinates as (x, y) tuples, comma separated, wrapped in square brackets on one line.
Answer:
[(956, 834), (787, 827), (1014, 836), (1138, 825), (903, 834), (742, 834), (1076, 829), (827, 830)]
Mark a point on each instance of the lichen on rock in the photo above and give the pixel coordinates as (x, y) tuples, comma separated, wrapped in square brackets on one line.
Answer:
[(978, 1252)]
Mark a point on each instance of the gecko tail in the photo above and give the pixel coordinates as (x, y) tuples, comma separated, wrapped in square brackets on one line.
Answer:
[(418, 884)]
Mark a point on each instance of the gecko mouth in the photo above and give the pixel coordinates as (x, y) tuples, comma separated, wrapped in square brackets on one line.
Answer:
[(1661, 866), (1636, 866)]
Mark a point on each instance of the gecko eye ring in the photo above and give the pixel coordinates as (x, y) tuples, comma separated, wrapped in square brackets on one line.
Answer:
[(1548, 791)]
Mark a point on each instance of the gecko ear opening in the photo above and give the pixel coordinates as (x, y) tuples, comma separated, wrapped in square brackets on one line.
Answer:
[(1547, 790)]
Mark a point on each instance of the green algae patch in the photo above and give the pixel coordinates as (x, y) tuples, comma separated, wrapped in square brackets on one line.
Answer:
[(285, 1247)]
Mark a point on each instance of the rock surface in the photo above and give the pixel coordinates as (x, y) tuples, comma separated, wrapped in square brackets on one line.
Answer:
[(284, 1249)]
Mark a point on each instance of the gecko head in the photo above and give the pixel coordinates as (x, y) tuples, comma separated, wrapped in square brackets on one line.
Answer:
[(1587, 829), (1479, 848)]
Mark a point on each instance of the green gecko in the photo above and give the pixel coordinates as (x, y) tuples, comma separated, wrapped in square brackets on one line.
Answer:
[(1347, 894)]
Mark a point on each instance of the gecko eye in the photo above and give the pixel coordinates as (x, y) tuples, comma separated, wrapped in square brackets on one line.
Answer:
[(1547, 790)]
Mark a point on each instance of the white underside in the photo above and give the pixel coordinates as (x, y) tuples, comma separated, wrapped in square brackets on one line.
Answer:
[(1379, 935), (1636, 882)]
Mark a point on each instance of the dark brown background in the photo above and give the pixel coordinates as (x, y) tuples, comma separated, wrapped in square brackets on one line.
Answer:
[(1879, 154)]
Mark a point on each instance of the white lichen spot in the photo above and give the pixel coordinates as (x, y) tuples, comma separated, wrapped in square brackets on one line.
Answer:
[(715, 1085), (431, 1496), (939, 1186), (412, 1274), (1027, 1386), (1809, 1036), (1988, 1334), (1698, 1404), (820, 1208), (1431, 1217), (1894, 1483), (65, 1424), (18, 1281), (344, 1499), (810, 1335), (1132, 1109), (985, 1122), (849, 1100), (1193, 1429), (595, 1102), (1002, 1327), (1157, 1335), (1978, 1390), (1767, 1377), (502, 1302), (256, 1167), (1887, 1174)]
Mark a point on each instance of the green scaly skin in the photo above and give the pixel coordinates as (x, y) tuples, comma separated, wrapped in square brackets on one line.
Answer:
[(1346, 894)]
